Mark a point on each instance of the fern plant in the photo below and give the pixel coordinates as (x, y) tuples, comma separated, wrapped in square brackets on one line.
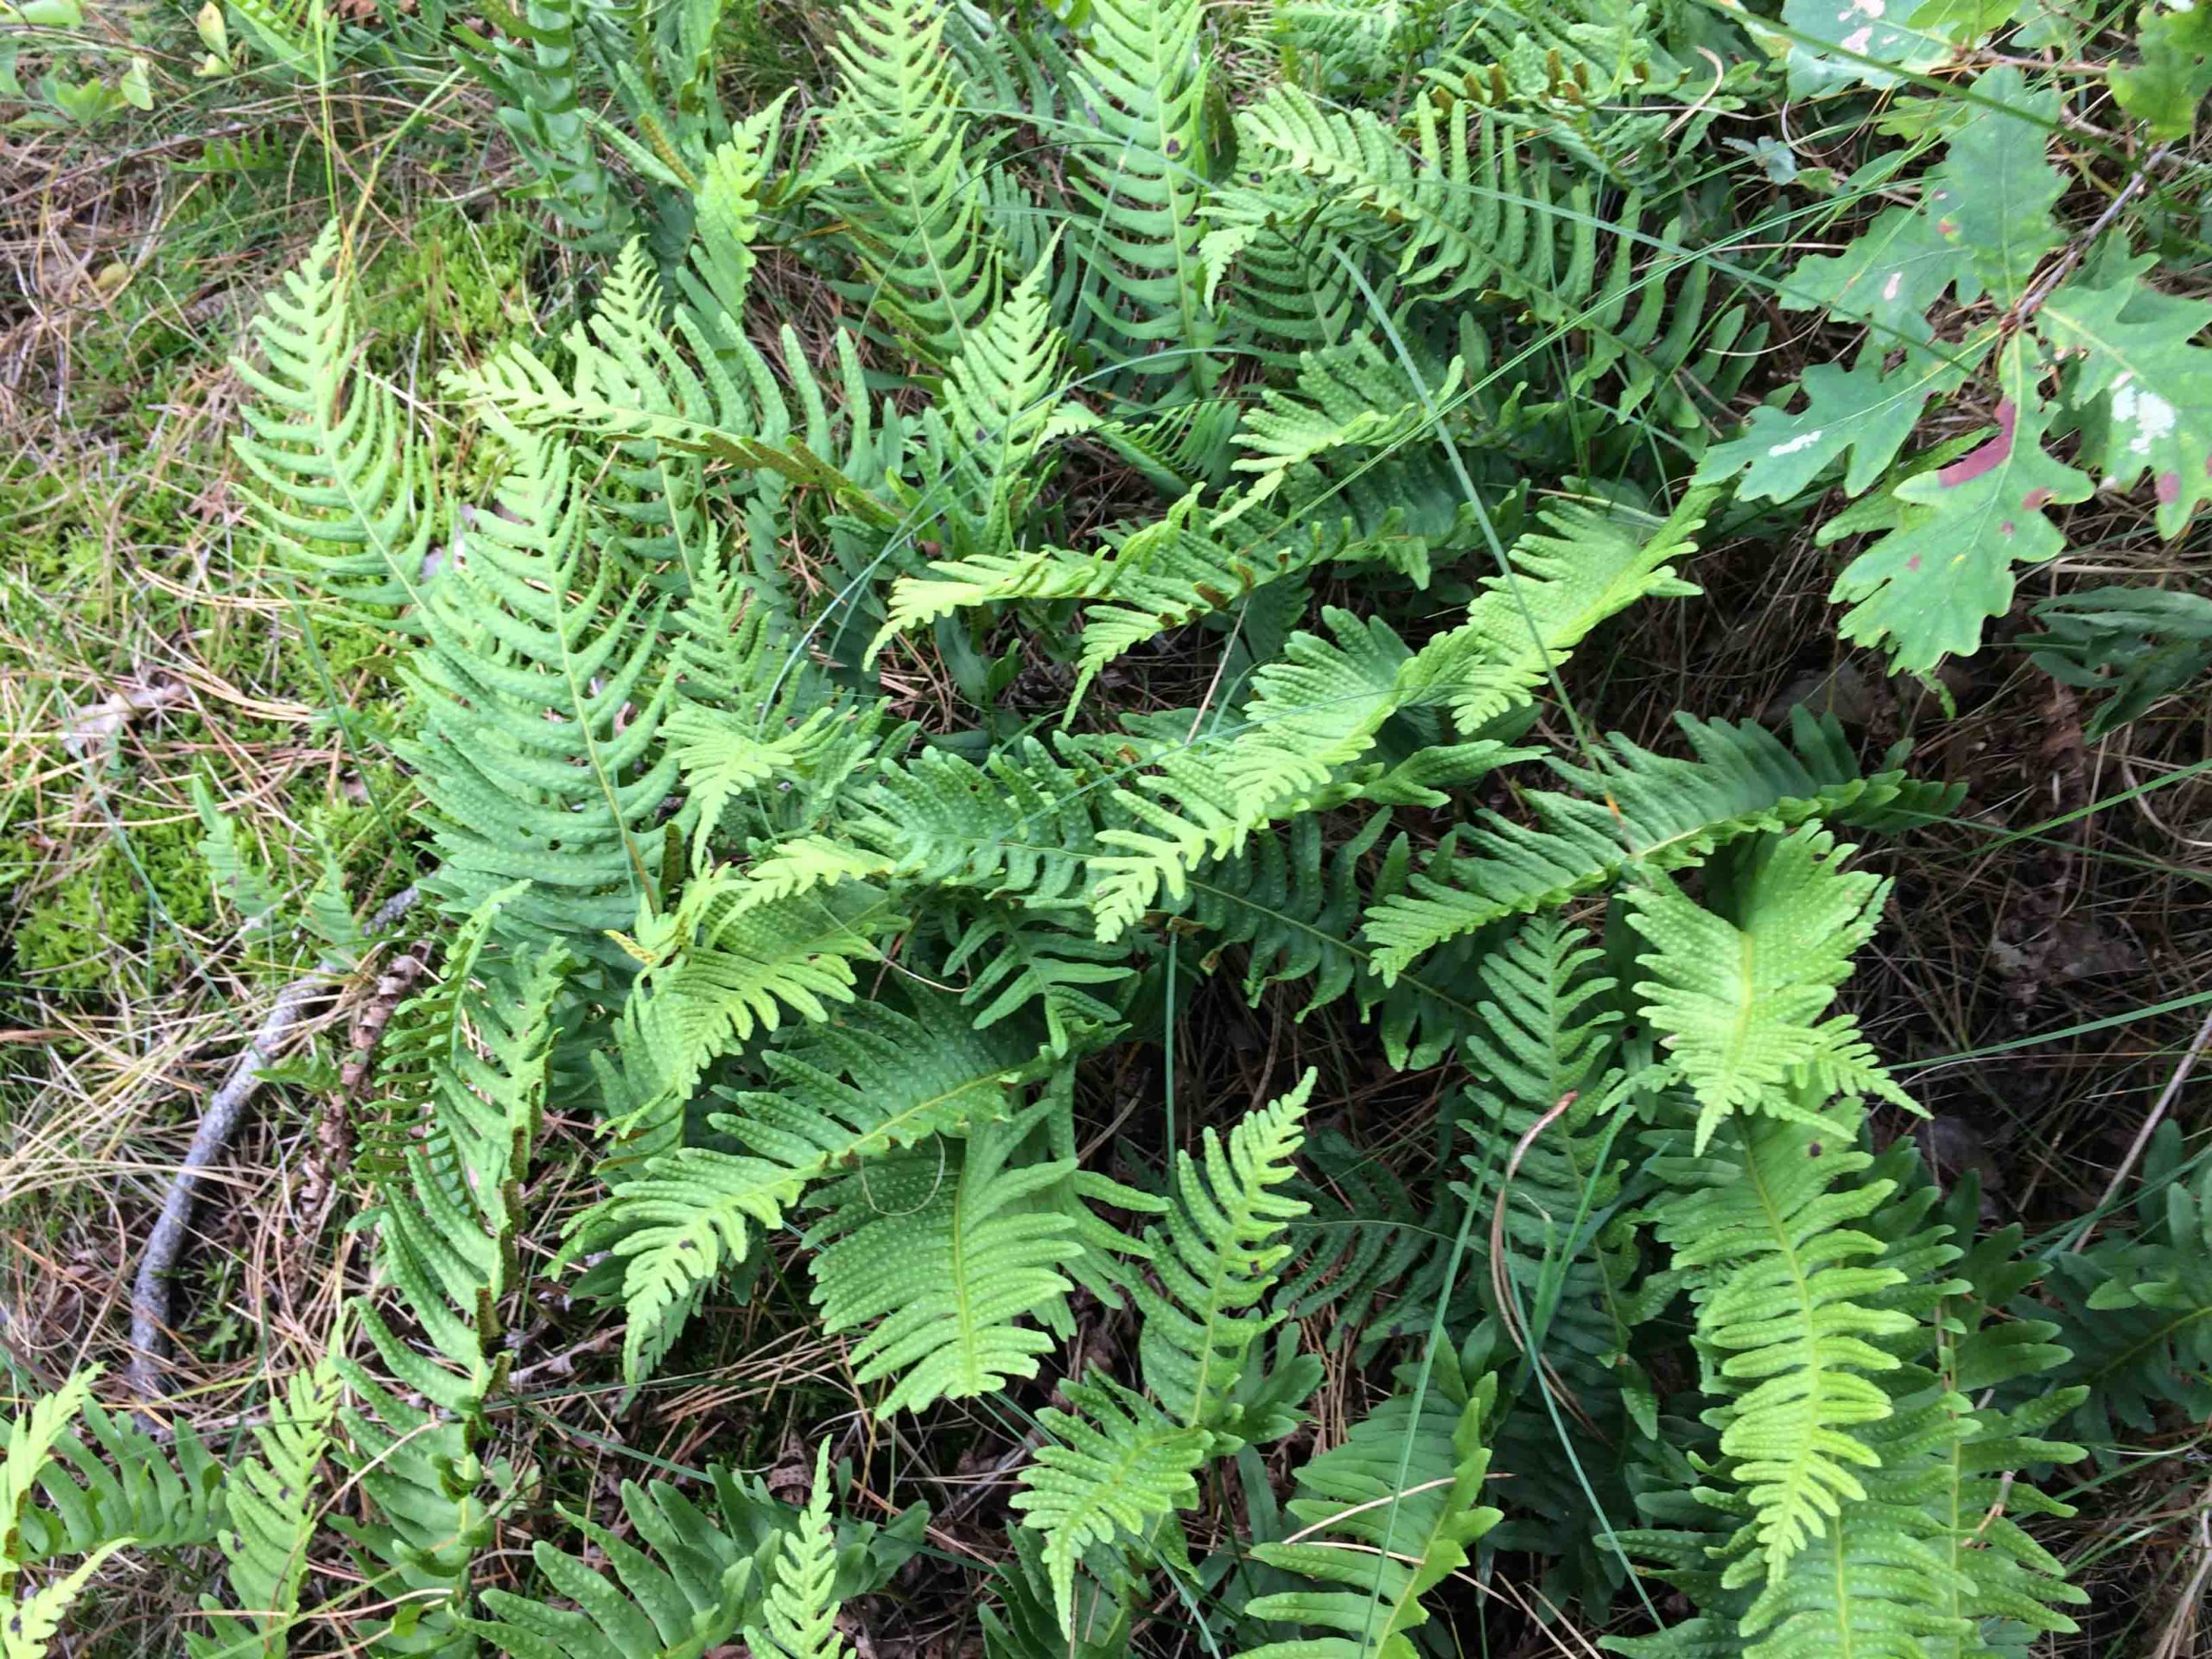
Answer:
[(341, 488), (1141, 174), (898, 133), (33, 1620), (2135, 1310), (1388, 1513), (273, 1510), (1121, 1462), (688, 1578), (1107, 512)]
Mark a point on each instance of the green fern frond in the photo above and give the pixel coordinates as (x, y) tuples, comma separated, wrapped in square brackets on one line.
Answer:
[(1738, 999), (1022, 954), (681, 1578), (1659, 338), (801, 1614), (2135, 1310), (446, 1230), (1216, 1257), (718, 274), (1454, 204), (29, 1626), (542, 703), (898, 125), (1274, 292), (878, 1081), (680, 1221), (1025, 1623), (721, 759), (1590, 566), (424, 1043), (752, 952), (1363, 1233), (1784, 1294), (941, 1252), (108, 1478), (1180, 448), (339, 486), (447, 1243), (1351, 402), (635, 387), (1292, 904), (675, 1611), (1391, 1513), (1002, 405), (1905, 1571), (236, 878), (1559, 56), (1315, 711), (2009, 1586), (1117, 1466), (1319, 708), (1638, 810), (1446, 205), (1018, 823), (743, 698), (1188, 566), (1141, 170), (983, 578), (1546, 1168), (32, 1437), (273, 1508), (537, 77), (726, 656), (1352, 45), (1301, 745), (1548, 1024), (418, 1466), (1930, 1559)]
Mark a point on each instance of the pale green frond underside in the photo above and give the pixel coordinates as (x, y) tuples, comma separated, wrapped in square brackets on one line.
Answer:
[(1116, 1466), (941, 1256), (1739, 1004), (1216, 1258)]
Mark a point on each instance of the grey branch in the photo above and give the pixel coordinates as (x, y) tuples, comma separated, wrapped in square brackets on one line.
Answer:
[(151, 1296)]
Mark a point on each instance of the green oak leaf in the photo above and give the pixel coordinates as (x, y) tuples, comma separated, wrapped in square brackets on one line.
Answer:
[(1838, 43), (2164, 91), (1993, 196), (1927, 587), (1887, 278), (1863, 410), (1983, 224), (2152, 385), (1964, 21)]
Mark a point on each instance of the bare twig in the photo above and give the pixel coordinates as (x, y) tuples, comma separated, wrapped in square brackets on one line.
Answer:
[(2180, 1629), (2157, 1115), (1501, 1276), (151, 1296), (2032, 300), (1501, 1283)]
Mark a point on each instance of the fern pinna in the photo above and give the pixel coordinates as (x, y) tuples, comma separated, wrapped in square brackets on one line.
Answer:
[(1060, 531)]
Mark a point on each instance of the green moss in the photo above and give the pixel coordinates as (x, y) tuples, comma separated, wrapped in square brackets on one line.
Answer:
[(459, 281), (104, 561), (101, 931)]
